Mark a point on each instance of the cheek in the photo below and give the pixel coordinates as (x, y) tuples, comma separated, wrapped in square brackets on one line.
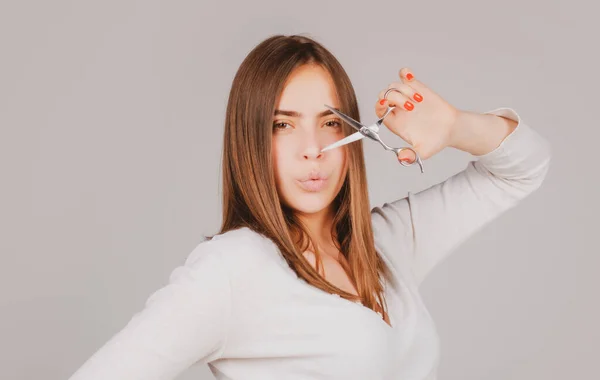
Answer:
[(341, 158), (333, 136), (281, 160)]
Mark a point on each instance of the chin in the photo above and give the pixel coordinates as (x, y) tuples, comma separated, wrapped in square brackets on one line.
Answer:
[(310, 203)]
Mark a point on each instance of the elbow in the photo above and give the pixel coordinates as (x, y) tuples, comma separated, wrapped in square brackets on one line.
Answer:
[(533, 179)]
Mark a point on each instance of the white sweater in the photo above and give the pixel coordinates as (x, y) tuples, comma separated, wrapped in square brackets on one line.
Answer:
[(237, 306)]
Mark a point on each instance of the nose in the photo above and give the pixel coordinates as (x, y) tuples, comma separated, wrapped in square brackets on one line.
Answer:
[(312, 153), (312, 147)]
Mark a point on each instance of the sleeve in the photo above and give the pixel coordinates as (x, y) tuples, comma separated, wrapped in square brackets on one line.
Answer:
[(424, 227), (182, 323)]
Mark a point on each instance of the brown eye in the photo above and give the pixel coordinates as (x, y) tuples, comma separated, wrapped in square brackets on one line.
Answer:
[(279, 126), (333, 123)]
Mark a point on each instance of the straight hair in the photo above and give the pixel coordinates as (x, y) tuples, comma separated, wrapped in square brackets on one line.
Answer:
[(250, 197)]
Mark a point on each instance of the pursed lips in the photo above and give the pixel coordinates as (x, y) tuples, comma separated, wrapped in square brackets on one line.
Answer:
[(315, 181)]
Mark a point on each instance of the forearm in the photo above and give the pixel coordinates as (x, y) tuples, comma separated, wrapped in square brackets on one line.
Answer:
[(478, 133)]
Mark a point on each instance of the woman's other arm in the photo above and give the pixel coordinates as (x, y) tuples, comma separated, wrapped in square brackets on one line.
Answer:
[(426, 226), (181, 323)]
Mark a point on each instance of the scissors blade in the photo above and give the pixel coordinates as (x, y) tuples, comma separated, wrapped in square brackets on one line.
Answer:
[(350, 121), (374, 128), (346, 140)]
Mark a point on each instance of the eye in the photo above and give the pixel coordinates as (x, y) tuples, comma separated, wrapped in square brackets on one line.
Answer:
[(333, 123), (280, 126)]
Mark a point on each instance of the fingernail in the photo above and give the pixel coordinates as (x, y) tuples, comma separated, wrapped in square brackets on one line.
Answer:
[(409, 106), (382, 101), (409, 76), (418, 97)]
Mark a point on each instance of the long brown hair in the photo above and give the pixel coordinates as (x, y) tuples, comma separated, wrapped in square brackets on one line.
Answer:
[(250, 198)]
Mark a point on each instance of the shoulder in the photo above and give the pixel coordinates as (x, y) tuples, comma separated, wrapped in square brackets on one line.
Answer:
[(240, 251), (392, 224), (393, 233)]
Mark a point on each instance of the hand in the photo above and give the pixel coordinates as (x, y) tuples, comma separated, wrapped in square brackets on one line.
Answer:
[(420, 117)]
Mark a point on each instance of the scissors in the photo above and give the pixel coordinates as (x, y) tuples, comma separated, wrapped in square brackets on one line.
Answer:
[(372, 132)]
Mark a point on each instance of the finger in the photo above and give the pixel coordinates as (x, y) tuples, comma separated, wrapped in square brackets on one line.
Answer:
[(403, 88), (381, 107), (397, 99), (406, 74), (408, 77), (407, 90), (407, 156)]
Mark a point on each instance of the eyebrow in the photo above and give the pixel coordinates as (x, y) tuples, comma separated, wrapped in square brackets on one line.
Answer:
[(298, 114)]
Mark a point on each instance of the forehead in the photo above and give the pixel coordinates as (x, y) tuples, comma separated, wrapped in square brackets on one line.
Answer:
[(308, 89)]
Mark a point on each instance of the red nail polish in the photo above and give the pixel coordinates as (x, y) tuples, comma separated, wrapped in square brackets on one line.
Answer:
[(409, 106), (382, 101), (418, 97), (409, 76)]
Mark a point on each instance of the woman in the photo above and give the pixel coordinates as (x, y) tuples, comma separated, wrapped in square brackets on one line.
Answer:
[(304, 280)]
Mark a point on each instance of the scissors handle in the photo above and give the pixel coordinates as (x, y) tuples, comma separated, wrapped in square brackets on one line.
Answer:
[(416, 161), (375, 136)]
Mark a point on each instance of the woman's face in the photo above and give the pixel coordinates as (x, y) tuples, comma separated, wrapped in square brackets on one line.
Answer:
[(308, 180)]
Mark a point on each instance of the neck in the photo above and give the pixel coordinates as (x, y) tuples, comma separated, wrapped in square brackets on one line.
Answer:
[(319, 225)]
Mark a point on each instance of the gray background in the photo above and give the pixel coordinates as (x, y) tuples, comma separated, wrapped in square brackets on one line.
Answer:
[(112, 116)]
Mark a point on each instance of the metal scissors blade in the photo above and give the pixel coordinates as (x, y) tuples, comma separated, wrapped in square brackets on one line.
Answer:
[(363, 131), (353, 123), (372, 132), (346, 140)]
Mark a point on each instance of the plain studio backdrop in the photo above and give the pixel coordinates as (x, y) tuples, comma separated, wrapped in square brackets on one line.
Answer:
[(112, 120)]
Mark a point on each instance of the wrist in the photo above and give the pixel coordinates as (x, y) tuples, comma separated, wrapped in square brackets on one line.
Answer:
[(478, 133)]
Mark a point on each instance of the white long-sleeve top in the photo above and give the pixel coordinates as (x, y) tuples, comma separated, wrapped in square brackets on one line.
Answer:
[(237, 306)]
